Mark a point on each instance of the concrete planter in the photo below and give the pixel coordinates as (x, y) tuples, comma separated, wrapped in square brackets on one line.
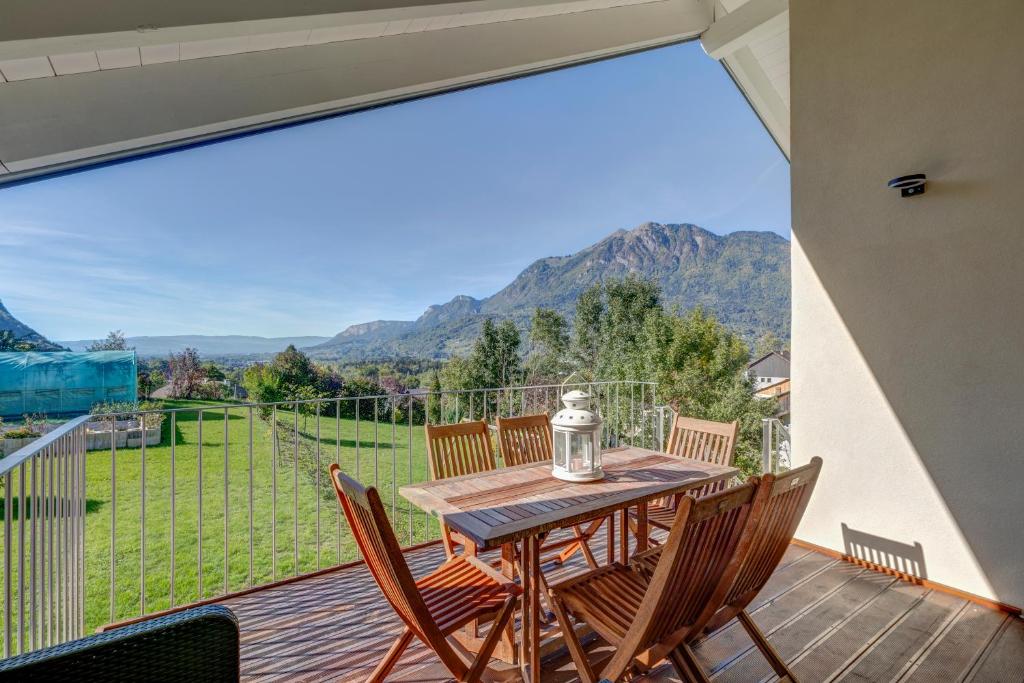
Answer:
[(123, 438), (8, 446)]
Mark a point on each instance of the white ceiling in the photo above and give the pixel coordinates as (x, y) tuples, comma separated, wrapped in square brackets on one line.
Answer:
[(197, 70)]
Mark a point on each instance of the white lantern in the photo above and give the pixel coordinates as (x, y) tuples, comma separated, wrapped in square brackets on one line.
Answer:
[(577, 440)]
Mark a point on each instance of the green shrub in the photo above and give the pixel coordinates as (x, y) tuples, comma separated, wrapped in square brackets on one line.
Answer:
[(21, 433)]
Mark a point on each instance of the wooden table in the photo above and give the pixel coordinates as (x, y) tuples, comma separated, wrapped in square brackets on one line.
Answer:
[(521, 504)]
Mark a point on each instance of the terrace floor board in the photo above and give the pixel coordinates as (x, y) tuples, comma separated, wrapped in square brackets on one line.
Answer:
[(830, 620)]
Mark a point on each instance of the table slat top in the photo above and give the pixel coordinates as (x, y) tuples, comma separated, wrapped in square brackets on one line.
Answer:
[(511, 503)]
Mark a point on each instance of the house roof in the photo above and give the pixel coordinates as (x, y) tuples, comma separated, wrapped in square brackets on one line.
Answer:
[(85, 83), (784, 355)]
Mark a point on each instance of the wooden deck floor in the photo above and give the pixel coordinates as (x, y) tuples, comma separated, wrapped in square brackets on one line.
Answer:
[(829, 619)]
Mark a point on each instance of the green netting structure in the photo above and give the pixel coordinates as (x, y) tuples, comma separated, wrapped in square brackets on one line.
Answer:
[(64, 382)]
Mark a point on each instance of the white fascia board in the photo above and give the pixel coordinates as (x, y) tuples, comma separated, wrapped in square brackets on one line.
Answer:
[(753, 21)]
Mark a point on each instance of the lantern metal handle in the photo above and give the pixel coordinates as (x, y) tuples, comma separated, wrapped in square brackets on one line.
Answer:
[(566, 380)]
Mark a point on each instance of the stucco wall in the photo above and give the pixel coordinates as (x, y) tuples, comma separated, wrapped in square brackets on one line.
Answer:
[(908, 322)]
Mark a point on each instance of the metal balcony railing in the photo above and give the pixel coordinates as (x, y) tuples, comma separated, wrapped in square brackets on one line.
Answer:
[(114, 517), (776, 445)]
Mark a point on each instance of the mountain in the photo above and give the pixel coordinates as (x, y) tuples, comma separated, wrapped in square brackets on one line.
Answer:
[(24, 333), (208, 346), (742, 277)]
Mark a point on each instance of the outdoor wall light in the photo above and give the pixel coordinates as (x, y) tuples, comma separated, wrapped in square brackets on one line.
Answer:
[(909, 185)]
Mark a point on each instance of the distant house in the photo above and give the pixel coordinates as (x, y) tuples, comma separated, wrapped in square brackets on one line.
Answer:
[(780, 392), (769, 369)]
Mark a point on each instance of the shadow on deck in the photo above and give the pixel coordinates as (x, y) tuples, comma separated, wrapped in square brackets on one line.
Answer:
[(830, 619)]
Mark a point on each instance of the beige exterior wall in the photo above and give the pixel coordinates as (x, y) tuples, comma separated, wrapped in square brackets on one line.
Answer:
[(908, 321)]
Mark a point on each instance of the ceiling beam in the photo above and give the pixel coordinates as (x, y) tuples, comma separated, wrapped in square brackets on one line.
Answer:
[(752, 21)]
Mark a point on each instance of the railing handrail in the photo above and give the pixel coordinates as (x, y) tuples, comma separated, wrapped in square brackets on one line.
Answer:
[(21, 455), (367, 397)]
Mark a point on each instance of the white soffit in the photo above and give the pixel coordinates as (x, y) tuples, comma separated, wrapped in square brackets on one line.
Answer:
[(70, 100), (751, 38)]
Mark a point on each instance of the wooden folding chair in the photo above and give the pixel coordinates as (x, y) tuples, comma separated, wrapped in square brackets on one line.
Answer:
[(454, 450), (526, 440), (460, 591), (777, 510), (645, 621), (703, 440)]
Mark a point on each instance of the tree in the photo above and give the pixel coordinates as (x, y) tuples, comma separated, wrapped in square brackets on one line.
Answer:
[(434, 412), (186, 373), (8, 342), (767, 343), (212, 372), (114, 341), (549, 338), (495, 359), (700, 368), (610, 318), (149, 380)]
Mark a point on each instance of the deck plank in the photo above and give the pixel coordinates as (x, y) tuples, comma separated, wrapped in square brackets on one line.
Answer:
[(893, 653), (829, 619), (1004, 660)]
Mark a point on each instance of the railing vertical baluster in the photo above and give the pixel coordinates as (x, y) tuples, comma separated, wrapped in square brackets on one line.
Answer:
[(50, 513), (376, 443), (295, 491), (113, 525), (44, 539), (174, 441), (357, 440), (337, 460), (66, 530), (318, 404), (199, 498), (273, 496), (471, 406), (226, 510), (21, 558), (8, 553), (142, 518), (408, 453), (394, 464), (249, 584), (83, 446), (33, 555)]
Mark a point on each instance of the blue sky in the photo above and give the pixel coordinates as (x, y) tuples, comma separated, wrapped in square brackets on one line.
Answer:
[(308, 229)]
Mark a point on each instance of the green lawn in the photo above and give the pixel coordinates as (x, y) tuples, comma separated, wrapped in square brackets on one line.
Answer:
[(378, 456)]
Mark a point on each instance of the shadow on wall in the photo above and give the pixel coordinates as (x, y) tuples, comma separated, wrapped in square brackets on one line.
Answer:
[(900, 557)]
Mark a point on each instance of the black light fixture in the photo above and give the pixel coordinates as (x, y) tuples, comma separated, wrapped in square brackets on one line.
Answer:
[(909, 185)]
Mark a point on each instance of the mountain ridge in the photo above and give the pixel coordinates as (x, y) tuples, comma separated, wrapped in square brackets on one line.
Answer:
[(743, 277), (24, 333)]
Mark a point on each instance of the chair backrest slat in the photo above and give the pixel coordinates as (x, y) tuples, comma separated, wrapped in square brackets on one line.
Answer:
[(525, 439), (703, 440), (707, 441), (697, 562), (773, 525), (461, 448), (376, 540)]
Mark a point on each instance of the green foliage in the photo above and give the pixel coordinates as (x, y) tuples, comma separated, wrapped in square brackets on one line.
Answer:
[(767, 343), (700, 366), (549, 337), (21, 433), (109, 411), (609, 337), (495, 361), (8, 342), (114, 341), (213, 372)]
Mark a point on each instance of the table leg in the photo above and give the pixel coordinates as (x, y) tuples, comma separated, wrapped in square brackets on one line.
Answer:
[(624, 536), (506, 649), (641, 527), (610, 549), (529, 644)]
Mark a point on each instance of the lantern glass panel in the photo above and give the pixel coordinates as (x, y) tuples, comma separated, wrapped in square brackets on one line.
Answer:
[(560, 455), (581, 453)]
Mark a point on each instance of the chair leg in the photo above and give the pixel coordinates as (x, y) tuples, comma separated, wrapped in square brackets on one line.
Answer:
[(572, 643), (392, 657), (769, 652), (687, 666), (483, 657)]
